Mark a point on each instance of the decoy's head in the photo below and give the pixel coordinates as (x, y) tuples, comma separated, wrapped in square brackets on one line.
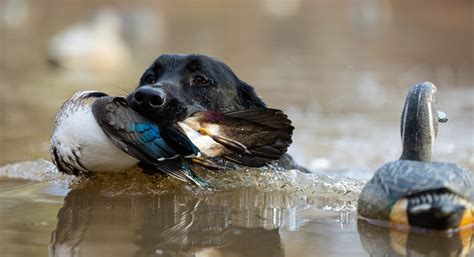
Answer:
[(419, 123), (176, 86)]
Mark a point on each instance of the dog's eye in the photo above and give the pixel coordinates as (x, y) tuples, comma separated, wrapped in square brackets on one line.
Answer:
[(200, 80), (149, 79)]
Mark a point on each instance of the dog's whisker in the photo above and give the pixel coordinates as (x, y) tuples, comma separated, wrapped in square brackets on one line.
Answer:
[(124, 92)]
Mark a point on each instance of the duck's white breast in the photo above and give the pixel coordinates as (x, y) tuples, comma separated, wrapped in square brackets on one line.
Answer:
[(77, 135)]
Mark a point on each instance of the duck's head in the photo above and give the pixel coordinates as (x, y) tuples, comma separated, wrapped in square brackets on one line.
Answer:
[(419, 123)]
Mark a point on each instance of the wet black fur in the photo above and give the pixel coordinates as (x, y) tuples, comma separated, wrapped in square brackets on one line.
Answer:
[(175, 73)]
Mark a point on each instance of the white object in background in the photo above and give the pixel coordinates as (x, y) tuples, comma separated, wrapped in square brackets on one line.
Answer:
[(95, 45)]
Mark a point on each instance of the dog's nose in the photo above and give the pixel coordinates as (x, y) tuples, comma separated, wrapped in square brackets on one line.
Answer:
[(148, 98)]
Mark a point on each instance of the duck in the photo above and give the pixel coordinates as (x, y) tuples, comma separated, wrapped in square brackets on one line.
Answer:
[(414, 191), (94, 45), (95, 132)]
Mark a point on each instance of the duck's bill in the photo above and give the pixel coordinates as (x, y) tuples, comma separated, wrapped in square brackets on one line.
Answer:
[(442, 117)]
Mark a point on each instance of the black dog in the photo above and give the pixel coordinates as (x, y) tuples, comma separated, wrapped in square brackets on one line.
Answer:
[(176, 86)]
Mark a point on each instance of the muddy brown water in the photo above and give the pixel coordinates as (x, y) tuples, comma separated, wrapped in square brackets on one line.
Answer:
[(340, 69)]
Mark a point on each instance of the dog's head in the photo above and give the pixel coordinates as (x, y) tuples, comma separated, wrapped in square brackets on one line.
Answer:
[(176, 86)]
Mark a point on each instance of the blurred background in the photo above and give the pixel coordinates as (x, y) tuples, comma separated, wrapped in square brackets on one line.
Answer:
[(340, 69)]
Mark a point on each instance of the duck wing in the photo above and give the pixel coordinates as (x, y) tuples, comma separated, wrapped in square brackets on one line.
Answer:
[(252, 137), (175, 136), (160, 147)]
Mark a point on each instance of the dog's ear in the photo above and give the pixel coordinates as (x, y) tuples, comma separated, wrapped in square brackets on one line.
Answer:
[(247, 96)]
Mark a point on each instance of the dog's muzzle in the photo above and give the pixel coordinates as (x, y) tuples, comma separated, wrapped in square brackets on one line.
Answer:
[(158, 103), (148, 99)]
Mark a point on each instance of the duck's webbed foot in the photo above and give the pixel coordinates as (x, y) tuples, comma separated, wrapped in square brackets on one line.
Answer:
[(227, 142)]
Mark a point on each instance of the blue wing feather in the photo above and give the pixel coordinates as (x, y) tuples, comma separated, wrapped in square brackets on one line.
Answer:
[(144, 139), (164, 146), (150, 138)]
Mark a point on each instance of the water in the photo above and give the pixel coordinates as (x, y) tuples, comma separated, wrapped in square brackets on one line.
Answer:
[(136, 215), (339, 69)]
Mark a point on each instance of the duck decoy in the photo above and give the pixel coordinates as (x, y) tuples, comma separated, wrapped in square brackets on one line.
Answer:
[(414, 191), (96, 132)]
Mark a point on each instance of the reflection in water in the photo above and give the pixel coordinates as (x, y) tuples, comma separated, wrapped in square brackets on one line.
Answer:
[(139, 215), (382, 241), (166, 225), (239, 222)]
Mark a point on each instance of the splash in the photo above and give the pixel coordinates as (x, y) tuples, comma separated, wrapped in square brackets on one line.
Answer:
[(274, 179), (39, 170), (280, 183), (267, 198)]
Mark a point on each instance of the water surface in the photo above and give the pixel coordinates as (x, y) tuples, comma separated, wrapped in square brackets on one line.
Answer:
[(340, 69), (137, 215)]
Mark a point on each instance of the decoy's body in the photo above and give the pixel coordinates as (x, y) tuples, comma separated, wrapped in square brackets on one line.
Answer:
[(413, 190), (95, 132)]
